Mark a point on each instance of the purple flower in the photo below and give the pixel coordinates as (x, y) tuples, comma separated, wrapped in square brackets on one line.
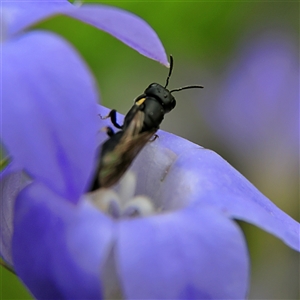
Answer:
[(258, 106), (179, 242)]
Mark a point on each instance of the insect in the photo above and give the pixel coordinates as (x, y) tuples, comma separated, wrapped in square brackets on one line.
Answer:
[(139, 126)]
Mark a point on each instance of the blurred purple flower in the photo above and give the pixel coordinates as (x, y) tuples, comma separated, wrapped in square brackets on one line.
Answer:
[(258, 107), (61, 243)]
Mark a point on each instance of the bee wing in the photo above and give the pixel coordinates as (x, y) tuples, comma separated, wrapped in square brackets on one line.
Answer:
[(116, 162), (135, 126)]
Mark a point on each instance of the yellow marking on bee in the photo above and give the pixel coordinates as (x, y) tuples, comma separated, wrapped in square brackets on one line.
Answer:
[(140, 102)]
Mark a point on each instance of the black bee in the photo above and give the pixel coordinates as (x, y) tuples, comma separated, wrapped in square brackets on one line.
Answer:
[(140, 124)]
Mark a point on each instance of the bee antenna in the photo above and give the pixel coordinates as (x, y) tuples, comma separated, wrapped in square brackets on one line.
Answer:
[(170, 70), (187, 87)]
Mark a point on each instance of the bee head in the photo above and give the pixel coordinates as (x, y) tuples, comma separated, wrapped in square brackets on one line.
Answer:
[(162, 94)]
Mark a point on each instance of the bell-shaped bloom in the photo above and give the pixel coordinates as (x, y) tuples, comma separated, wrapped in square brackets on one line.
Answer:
[(180, 241), (186, 246)]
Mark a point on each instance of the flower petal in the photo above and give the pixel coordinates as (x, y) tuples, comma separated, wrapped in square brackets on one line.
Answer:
[(49, 113), (59, 248), (128, 28), (192, 254), (186, 173), (10, 186), (19, 15), (125, 26)]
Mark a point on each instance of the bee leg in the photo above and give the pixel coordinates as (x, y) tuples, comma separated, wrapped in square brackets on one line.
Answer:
[(113, 117), (109, 131), (153, 138)]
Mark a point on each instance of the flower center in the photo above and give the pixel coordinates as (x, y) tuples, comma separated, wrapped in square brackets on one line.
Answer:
[(123, 204)]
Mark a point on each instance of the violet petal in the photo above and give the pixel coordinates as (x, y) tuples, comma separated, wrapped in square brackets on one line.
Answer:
[(19, 15), (191, 254), (59, 248), (125, 26), (130, 29), (184, 173), (10, 185), (49, 114)]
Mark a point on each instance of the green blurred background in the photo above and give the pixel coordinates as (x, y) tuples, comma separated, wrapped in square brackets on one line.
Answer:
[(205, 38)]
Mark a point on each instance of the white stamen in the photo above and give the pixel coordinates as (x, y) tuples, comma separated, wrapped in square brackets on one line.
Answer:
[(103, 198), (123, 204), (127, 187), (139, 206)]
